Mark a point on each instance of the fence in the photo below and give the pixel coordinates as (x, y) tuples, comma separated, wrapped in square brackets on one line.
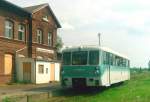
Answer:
[(28, 98)]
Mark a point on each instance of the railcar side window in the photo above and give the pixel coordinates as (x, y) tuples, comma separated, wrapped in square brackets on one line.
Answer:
[(114, 60), (110, 59), (117, 60), (124, 62), (121, 61), (94, 57), (67, 58), (128, 64), (105, 58)]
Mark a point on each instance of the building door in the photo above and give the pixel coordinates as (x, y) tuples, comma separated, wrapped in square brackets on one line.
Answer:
[(27, 71), (8, 64), (52, 74), (57, 71)]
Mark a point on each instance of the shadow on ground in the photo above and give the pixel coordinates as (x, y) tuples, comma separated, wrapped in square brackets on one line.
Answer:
[(41, 89), (45, 88), (67, 92), (88, 91)]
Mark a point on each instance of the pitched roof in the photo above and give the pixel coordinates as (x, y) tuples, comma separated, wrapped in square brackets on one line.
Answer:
[(35, 8), (14, 8)]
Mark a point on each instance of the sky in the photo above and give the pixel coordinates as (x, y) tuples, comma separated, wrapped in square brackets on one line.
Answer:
[(124, 24)]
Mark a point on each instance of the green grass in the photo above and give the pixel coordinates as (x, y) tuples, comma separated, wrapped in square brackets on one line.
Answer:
[(135, 90), (6, 99)]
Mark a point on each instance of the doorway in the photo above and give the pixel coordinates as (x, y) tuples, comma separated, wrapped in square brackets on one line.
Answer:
[(27, 72), (52, 74), (8, 64)]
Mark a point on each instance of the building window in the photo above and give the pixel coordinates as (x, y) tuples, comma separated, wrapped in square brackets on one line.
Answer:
[(21, 32), (49, 38), (46, 70), (45, 18), (9, 29), (41, 69), (39, 36)]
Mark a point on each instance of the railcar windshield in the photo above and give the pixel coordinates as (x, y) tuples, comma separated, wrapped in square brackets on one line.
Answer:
[(67, 58), (79, 58), (94, 57)]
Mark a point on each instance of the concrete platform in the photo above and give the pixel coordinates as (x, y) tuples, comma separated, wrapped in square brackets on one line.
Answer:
[(27, 93)]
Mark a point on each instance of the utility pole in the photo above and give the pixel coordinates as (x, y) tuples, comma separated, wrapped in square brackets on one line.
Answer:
[(99, 38)]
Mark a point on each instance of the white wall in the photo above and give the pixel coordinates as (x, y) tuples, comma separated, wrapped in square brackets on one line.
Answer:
[(36, 77), (45, 77), (57, 71)]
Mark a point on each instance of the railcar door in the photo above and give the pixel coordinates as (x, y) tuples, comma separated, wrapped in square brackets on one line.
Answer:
[(108, 76), (108, 58)]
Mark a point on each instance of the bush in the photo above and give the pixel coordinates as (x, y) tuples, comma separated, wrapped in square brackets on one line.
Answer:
[(6, 99)]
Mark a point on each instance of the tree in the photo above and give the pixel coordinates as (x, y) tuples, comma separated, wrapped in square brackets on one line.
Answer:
[(59, 43), (149, 65)]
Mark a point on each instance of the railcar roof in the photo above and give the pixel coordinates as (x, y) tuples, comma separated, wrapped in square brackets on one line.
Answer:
[(86, 48)]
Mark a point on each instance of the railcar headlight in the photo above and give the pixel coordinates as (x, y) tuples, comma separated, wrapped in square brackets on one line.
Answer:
[(97, 72), (97, 68), (62, 72)]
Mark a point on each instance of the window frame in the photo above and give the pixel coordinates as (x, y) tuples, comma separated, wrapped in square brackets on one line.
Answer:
[(67, 59), (110, 59), (22, 31), (89, 59), (49, 40), (39, 69), (104, 58), (73, 58), (9, 28), (47, 70), (39, 35)]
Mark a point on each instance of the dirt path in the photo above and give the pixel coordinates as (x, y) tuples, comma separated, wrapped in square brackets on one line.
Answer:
[(18, 89)]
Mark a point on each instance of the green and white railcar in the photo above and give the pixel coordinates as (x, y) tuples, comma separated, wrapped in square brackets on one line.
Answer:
[(93, 66)]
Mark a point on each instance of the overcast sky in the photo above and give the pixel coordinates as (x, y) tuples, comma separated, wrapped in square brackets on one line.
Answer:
[(124, 24)]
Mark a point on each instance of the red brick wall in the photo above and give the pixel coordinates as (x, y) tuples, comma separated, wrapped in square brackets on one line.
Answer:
[(10, 46), (42, 54), (1, 62), (46, 27), (5, 15), (5, 78), (1, 25)]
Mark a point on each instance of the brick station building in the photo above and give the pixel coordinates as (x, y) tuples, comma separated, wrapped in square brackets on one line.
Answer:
[(29, 32)]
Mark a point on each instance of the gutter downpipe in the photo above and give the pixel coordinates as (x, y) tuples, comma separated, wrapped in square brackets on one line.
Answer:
[(30, 37)]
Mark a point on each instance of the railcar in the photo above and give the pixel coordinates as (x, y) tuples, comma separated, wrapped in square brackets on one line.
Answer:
[(93, 66)]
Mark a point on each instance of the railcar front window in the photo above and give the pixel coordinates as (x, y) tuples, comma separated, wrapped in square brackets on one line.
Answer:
[(79, 58), (94, 58), (67, 58)]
